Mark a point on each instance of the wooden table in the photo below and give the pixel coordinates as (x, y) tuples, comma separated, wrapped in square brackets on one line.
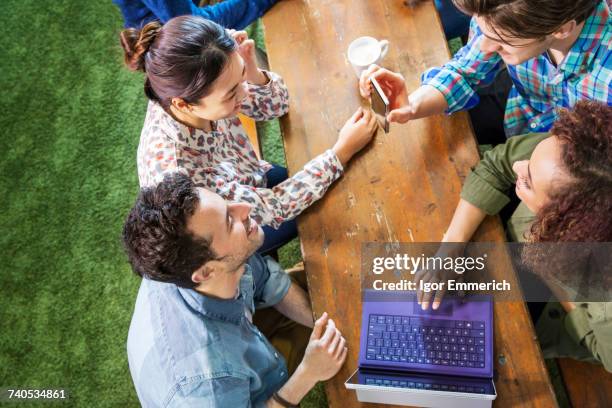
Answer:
[(403, 187)]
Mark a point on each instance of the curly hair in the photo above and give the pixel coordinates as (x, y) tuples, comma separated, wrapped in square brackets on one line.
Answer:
[(581, 209), (155, 235)]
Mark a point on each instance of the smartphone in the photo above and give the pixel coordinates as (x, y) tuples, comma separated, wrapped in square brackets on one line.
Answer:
[(380, 105)]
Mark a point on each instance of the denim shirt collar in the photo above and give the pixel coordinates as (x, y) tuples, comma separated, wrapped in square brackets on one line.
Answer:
[(226, 310)]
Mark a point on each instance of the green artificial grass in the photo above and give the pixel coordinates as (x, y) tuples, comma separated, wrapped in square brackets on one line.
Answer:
[(71, 116), (71, 119)]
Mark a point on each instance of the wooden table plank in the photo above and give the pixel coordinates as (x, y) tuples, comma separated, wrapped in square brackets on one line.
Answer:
[(403, 187)]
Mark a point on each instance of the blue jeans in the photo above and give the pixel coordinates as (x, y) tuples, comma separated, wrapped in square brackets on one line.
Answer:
[(275, 238), (454, 22)]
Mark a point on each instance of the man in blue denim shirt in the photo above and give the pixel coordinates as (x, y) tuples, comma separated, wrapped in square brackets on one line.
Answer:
[(192, 341)]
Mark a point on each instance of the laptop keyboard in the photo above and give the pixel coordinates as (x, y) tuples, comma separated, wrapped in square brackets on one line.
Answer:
[(437, 342)]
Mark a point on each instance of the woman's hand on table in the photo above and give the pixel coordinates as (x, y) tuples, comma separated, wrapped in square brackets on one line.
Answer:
[(356, 133)]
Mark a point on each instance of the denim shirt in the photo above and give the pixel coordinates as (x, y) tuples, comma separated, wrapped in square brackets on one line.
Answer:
[(186, 349)]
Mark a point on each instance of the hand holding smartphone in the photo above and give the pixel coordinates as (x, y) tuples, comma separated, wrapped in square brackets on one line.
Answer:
[(380, 105)]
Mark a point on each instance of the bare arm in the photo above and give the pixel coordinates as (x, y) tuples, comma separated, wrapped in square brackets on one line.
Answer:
[(295, 388), (296, 306), (464, 223), (424, 101), (466, 220)]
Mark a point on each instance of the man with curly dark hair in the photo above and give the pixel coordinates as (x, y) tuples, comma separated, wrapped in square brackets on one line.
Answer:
[(564, 182), (193, 340)]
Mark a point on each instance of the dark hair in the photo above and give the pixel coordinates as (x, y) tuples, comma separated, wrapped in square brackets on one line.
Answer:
[(182, 59), (528, 18), (155, 235), (580, 210)]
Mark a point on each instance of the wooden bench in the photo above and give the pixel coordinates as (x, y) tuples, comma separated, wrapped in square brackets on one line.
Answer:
[(251, 130), (587, 385)]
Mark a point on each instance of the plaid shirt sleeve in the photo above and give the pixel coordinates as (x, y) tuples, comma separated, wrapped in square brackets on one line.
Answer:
[(459, 79)]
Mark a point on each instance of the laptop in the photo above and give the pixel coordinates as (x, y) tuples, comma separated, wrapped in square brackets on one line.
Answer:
[(432, 358)]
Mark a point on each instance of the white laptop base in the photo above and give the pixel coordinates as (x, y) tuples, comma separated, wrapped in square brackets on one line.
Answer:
[(396, 394)]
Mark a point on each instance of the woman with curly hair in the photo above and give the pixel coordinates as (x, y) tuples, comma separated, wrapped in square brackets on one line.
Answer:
[(563, 179), (564, 182)]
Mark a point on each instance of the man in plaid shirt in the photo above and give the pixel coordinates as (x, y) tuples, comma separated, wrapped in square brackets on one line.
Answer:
[(556, 52)]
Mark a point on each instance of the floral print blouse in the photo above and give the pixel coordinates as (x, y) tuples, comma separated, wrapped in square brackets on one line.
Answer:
[(225, 162)]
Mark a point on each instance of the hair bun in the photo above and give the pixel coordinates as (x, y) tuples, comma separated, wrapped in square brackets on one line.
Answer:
[(136, 43)]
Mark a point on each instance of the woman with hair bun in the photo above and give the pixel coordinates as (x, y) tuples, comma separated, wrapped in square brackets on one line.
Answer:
[(198, 77)]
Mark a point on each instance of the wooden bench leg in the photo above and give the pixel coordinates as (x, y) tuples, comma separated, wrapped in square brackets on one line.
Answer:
[(251, 130)]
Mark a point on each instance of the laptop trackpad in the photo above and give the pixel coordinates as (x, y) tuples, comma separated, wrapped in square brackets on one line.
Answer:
[(445, 309)]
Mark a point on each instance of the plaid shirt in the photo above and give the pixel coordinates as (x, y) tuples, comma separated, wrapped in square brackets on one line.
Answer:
[(540, 87)]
